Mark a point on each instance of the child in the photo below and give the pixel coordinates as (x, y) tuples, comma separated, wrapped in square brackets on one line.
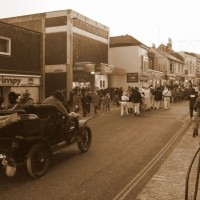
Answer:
[(195, 124)]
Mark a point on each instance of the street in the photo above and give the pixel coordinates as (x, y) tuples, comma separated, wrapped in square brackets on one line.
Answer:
[(121, 149)]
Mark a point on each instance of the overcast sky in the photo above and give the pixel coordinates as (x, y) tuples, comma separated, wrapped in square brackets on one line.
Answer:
[(149, 21)]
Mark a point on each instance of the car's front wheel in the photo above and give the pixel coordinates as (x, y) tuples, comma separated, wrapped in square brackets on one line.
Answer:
[(85, 139), (38, 160)]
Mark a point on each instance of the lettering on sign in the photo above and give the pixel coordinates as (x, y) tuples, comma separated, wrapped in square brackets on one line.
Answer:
[(19, 81), (10, 81)]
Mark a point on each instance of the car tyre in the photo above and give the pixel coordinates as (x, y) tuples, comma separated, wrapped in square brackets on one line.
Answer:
[(85, 139), (38, 160)]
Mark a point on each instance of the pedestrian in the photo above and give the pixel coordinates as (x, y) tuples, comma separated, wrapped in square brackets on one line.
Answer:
[(195, 124), (124, 107), (137, 99), (197, 105), (75, 100), (158, 98), (192, 98), (95, 101), (89, 100), (103, 102), (84, 103), (107, 102), (166, 96), (152, 97), (147, 98), (130, 101)]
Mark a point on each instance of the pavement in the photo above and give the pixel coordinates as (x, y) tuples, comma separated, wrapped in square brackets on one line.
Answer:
[(169, 181)]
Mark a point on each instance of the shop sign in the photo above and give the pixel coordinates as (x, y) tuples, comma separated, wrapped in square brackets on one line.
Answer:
[(144, 78), (132, 77), (55, 68), (104, 68), (19, 81), (87, 67)]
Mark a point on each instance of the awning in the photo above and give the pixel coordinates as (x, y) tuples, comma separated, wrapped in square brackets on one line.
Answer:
[(85, 66), (104, 68)]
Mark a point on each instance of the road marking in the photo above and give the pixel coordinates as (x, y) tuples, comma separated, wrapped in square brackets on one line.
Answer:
[(130, 186)]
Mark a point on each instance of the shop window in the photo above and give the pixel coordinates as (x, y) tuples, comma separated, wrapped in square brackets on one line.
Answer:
[(5, 46), (102, 84)]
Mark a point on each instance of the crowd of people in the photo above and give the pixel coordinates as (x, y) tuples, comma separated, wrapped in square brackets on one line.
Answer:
[(132, 100), (16, 100)]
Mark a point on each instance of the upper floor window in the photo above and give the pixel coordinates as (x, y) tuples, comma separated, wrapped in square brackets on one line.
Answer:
[(145, 63), (5, 46), (171, 67)]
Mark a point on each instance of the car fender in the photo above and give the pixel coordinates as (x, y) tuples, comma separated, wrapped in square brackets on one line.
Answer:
[(83, 122)]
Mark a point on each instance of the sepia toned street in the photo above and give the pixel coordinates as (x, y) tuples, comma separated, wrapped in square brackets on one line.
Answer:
[(125, 154)]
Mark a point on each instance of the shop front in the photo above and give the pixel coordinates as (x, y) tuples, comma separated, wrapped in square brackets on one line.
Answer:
[(84, 75), (144, 80), (102, 72), (19, 84), (190, 80), (171, 79), (91, 75), (155, 78)]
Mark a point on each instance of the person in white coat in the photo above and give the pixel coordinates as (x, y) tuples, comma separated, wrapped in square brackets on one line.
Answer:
[(166, 96), (147, 98), (124, 107)]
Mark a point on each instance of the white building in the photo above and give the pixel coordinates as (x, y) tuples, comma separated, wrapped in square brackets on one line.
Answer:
[(130, 58), (190, 66)]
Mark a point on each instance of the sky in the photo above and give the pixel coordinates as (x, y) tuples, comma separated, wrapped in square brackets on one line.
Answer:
[(149, 21)]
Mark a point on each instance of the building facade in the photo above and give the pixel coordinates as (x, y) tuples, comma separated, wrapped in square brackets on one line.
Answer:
[(20, 61), (190, 67), (74, 48), (130, 57)]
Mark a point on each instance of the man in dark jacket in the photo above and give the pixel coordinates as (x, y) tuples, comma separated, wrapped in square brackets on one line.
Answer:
[(192, 98), (84, 103), (137, 99), (157, 97)]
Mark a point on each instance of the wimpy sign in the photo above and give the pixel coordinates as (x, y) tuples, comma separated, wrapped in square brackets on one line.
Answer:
[(19, 81), (12, 81)]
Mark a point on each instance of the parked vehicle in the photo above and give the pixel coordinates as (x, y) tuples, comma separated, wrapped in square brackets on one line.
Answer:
[(35, 133)]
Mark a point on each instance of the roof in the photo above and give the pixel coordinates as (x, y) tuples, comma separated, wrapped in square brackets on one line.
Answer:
[(167, 55), (125, 40), (190, 53)]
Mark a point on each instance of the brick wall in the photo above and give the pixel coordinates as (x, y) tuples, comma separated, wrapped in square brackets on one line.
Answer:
[(55, 48), (25, 50), (89, 50)]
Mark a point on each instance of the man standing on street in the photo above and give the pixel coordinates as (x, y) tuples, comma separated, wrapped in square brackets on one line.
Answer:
[(167, 95), (192, 98), (124, 107)]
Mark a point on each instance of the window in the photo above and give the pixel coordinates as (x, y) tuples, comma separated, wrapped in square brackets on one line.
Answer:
[(102, 84), (5, 46), (171, 67), (145, 63)]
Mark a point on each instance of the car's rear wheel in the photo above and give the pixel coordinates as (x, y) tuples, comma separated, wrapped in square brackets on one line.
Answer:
[(85, 139), (38, 160)]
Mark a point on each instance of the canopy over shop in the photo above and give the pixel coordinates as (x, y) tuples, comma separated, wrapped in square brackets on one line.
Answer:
[(91, 75)]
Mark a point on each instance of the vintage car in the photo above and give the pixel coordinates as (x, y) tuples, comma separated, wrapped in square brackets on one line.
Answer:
[(33, 134)]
